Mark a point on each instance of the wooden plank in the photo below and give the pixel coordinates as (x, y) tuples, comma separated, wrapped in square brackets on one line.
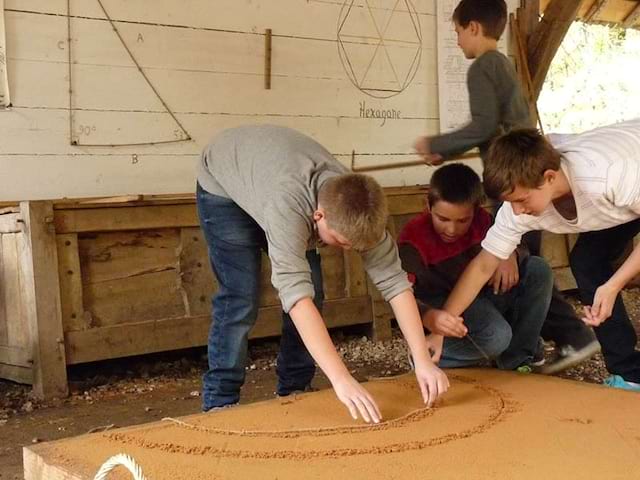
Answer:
[(48, 126), (355, 274), (228, 15), (130, 275), (10, 223), (333, 273), (184, 332), (196, 280), (554, 249), (597, 6), (37, 468), (13, 293), (16, 373), (70, 276), (18, 357), (564, 279), (268, 293), (4, 338), (632, 17), (405, 204), (39, 263), (127, 218), (381, 312), (548, 36)]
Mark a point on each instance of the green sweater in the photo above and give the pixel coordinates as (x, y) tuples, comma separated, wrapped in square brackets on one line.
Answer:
[(497, 105)]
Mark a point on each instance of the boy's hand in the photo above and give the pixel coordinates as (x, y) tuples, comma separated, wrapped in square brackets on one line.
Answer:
[(442, 322), (423, 147), (433, 382), (603, 302), (506, 276), (434, 345), (357, 399)]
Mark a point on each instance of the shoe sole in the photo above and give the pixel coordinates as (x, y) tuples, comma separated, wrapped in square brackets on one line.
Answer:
[(572, 360)]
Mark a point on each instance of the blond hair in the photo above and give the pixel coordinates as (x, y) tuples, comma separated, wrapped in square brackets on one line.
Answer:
[(518, 158), (355, 206)]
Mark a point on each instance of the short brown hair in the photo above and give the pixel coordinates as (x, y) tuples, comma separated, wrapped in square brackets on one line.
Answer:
[(355, 206), (518, 158), (455, 183), (491, 14)]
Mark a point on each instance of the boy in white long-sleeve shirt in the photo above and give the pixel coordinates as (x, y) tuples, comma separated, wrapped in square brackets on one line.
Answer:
[(588, 184)]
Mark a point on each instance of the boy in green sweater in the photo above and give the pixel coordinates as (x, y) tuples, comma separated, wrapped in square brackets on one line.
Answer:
[(497, 106)]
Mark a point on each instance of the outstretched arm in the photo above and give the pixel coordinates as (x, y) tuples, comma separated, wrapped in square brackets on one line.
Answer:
[(475, 276), (606, 293), (315, 336), (432, 381)]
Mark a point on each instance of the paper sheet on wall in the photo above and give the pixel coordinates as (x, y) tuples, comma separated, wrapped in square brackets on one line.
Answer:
[(453, 97), (5, 100)]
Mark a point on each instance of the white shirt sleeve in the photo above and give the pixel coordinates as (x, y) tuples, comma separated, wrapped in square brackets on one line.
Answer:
[(506, 232)]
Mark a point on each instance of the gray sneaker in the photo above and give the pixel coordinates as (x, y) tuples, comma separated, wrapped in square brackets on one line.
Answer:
[(569, 357)]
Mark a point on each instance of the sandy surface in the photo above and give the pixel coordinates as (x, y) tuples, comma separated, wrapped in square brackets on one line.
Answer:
[(491, 425)]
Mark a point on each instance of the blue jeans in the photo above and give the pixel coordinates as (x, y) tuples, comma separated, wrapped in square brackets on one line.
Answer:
[(505, 326), (591, 262), (235, 243)]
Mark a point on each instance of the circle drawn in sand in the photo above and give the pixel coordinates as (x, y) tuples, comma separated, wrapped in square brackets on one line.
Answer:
[(399, 435)]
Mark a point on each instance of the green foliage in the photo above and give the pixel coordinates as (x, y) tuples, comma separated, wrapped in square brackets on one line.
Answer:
[(594, 79)]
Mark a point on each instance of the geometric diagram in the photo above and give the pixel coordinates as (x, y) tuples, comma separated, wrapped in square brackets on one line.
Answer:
[(470, 433), (5, 100), (179, 132), (380, 45)]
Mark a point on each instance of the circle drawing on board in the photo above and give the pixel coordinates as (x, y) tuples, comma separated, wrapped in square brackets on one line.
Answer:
[(380, 45)]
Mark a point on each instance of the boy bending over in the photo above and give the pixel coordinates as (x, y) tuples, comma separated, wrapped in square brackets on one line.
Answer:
[(275, 189), (588, 184)]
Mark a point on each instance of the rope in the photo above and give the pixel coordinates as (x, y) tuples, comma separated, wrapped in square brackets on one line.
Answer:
[(121, 459)]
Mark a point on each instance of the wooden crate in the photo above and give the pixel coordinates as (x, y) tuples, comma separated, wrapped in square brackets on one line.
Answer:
[(92, 280)]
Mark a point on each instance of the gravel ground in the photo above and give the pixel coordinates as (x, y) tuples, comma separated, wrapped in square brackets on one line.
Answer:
[(94, 383)]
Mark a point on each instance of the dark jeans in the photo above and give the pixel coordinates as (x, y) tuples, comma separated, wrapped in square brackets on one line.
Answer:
[(505, 326), (235, 243), (591, 263), (562, 325)]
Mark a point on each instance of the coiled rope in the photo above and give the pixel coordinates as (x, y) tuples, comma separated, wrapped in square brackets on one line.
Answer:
[(120, 460)]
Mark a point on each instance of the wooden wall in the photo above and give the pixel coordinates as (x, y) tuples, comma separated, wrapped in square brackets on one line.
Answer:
[(205, 58)]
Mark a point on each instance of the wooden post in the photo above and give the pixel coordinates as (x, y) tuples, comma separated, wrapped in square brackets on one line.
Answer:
[(39, 264), (267, 59), (545, 41)]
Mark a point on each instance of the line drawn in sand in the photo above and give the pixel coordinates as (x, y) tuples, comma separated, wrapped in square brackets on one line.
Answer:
[(497, 408)]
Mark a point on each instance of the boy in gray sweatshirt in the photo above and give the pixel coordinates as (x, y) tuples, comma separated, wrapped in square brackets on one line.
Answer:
[(272, 188)]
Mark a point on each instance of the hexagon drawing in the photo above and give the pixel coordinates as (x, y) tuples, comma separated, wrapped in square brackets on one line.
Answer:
[(380, 45)]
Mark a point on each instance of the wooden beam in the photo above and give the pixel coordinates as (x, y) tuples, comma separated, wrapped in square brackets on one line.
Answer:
[(531, 10), (548, 36), (10, 223), (125, 218), (633, 16), (39, 264), (594, 11), (15, 356), (184, 332), (16, 373)]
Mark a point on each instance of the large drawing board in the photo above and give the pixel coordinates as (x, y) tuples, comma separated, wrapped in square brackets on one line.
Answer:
[(491, 425)]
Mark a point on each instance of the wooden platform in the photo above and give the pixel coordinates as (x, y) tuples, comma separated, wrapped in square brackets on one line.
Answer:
[(491, 425)]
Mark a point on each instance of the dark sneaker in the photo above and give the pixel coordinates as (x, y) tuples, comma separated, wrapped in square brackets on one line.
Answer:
[(569, 357), (538, 357)]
